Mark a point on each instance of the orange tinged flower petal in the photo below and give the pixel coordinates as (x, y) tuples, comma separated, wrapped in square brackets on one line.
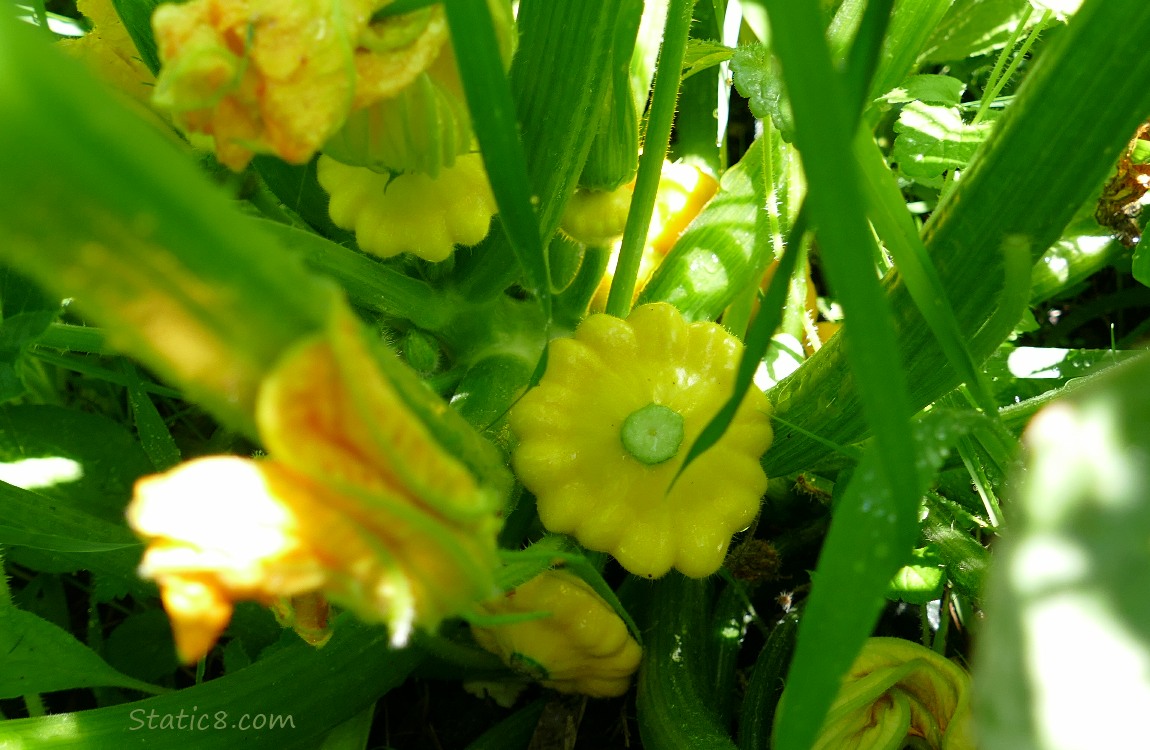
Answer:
[(262, 76), (358, 505)]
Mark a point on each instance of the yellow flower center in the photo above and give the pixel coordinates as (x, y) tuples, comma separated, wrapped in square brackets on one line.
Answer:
[(652, 434)]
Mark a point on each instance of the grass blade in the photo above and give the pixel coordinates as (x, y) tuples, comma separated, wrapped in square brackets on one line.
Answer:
[(830, 635), (493, 117), (559, 81)]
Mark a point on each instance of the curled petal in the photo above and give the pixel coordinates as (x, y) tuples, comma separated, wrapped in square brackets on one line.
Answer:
[(898, 691)]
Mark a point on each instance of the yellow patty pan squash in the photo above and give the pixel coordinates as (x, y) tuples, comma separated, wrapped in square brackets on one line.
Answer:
[(604, 433), (582, 646)]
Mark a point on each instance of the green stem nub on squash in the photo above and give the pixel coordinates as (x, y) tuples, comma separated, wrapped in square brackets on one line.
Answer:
[(652, 434)]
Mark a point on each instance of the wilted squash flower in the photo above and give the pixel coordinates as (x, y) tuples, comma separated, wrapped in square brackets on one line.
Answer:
[(896, 694), (357, 502), (413, 212), (262, 76), (425, 126), (582, 646), (606, 430), (110, 51)]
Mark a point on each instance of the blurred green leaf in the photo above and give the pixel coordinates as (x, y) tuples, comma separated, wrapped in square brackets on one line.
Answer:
[(1065, 645)]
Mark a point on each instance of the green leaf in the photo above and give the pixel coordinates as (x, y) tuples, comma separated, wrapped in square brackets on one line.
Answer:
[(1140, 265), (929, 89), (136, 16), (151, 428), (933, 139), (974, 27), (895, 227), (81, 468), (283, 685), (702, 54), (756, 76), (142, 646), (39, 657), (919, 581), (1067, 631)]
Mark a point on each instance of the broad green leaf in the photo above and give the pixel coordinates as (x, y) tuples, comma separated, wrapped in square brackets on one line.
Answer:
[(39, 657), (81, 460), (939, 90), (933, 139), (1066, 639), (17, 537)]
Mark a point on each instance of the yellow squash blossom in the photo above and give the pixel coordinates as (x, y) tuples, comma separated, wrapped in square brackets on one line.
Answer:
[(606, 430), (582, 646), (262, 76), (411, 213), (898, 692), (597, 217), (357, 502)]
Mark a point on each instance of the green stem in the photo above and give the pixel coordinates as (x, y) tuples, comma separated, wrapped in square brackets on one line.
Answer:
[(652, 434), (997, 80), (655, 142)]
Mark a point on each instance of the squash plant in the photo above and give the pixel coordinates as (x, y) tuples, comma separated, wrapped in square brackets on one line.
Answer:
[(323, 324)]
